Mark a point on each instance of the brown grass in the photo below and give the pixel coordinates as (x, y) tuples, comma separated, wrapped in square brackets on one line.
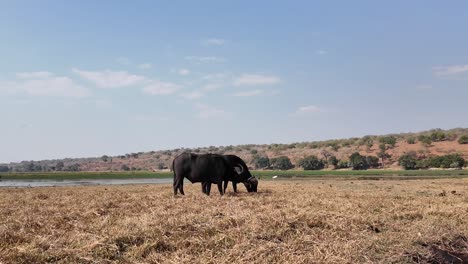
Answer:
[(287, 222)]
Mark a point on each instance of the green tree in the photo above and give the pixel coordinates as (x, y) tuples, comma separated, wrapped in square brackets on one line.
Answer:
[(73, 167), (372, 161), (408, 161), (383, 155), (358, 162), (59, 166), (463, 139), (281, 163), (4, 168), (333, 161), (105, 158), (311, 163), (261, 162), (342, 164)]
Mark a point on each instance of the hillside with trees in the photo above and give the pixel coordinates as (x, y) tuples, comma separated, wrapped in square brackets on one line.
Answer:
[(429, 149)]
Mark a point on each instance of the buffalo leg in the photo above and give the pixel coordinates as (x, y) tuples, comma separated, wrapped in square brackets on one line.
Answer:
[(225, 186), (176, 186), (181, 187), (220, 188), (208, 188), (234, 186), (203, 187)]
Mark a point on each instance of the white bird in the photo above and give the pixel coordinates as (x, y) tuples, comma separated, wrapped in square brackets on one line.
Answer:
[(274, 177)]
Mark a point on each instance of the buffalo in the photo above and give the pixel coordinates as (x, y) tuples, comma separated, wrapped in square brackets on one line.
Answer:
[(251, 184), (209, 169)]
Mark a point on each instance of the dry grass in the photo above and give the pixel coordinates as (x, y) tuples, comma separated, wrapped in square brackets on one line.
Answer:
[(287, 222)]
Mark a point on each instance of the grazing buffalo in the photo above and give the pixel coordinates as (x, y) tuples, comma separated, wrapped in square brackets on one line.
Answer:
[(208, 169), (251, 183)]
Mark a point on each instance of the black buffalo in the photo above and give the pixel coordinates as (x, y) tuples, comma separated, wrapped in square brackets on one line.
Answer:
[(208, 169), (251, 183)]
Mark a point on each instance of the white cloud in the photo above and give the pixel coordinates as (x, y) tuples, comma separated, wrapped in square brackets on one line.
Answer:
[(160, 88), (110, 79), (192, 95), (123, 61), (450, 70), (321, 52), (44, 84), (308, 109), (34, 75), (206, 111), (211, 86), (145, 66), (214, 41), (184, 72), (204, 59), (256, 79), (216, 76), (248, 93)]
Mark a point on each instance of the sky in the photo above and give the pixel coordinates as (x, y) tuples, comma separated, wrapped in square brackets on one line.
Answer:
[(88, 78)]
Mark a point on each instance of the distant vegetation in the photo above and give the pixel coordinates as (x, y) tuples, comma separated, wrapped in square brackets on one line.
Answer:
[(429, 149)]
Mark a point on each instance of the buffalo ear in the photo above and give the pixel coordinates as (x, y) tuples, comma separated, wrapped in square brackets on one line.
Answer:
[(238, 169)]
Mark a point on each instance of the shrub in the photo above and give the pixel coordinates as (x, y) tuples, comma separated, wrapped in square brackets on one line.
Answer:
[(388, 140), (408, 161), (333, 161), (426, 140), (422, 164), (311, 163), (253, 151), (281, 163), (463, 139), (438, 136), (261, 162), (446, 161), (411, 140), (59, 166), (367, 140), (372, 162), (358, 162), (342, 164), (4, 169), (73, 167), (160, 166), (125, 167)]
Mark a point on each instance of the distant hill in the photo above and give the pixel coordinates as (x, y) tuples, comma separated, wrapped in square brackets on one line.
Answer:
[(424, 144)]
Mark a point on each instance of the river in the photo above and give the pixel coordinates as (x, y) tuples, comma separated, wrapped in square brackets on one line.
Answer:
[(20, 183)]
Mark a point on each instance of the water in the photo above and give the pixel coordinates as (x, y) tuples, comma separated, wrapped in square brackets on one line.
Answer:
[(50, 183)]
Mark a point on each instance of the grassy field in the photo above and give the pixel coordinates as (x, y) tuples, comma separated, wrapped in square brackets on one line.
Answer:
[(322, 221), (266, 174)]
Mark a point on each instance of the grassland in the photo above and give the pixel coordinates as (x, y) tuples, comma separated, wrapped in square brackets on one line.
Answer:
[(329, 221), (264, 174)]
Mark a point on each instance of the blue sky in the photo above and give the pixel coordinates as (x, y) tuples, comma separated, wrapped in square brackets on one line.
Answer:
[(88, 78)]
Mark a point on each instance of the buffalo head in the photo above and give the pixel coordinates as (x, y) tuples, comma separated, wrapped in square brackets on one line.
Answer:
[(251, 184)]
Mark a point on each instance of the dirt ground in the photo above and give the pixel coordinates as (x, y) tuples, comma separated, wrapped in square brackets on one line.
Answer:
[(332, 221)]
